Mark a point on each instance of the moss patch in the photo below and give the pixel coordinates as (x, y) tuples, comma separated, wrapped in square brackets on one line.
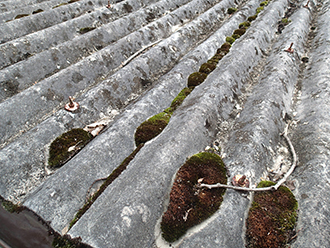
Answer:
[(66, 146), (196, 78), (230, 39), (179, 99), (224, 49), (240, 31), (189, 205), (67, 242), (86, 30), (10, 207), (236, 36), (151, 127), (244, 24), (272, 217), (37, 11), (231, 10), (259, 9), (207, 68), (264, 3), (252, 18), (21, 16), (61, 4)]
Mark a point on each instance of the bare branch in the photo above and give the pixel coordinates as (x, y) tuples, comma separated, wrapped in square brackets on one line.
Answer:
[(274, 187)]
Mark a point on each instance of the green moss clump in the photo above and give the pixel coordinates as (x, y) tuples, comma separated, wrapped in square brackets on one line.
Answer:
[(66, 241), (151, 128), (66, 146), (285, 21), (244, 24), (21, 16), (86, 29), (259, 9), (225, 47), (37, 11), (207, 68), (264, 3), (236, 36), (178, 100), (230, 39), (240, 31), (11, 207), (252, 18), (61, 4), (196, 78), (272, 217), (231, 10), (188, 205)]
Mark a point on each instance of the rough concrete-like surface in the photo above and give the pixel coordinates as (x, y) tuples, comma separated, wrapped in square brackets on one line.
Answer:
[(117, 142), (311, 138), (129, 68), (256, 134), (133, 217)]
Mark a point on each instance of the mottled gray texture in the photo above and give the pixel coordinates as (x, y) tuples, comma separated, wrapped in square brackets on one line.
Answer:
[(255, 136), (119, 137), (34, 103), (119, 219), (31, 44), (311, 139)]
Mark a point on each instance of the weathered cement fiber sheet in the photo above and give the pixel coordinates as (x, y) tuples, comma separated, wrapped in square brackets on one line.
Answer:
[(23, 26), (125, 215), (19, 49), (251, 145), (33, 104), (27, 9), (81, 47), (70, 189), (311, 140), (27, 156)]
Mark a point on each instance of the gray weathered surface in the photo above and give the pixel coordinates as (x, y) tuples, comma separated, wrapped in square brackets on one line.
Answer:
[(241, 105), (255, 136), (129, 220), (311, 139), (117, 142)]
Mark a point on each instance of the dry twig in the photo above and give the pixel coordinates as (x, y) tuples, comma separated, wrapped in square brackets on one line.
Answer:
[(274, 187)]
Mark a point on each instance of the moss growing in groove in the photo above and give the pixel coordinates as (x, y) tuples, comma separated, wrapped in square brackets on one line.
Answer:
[(224, 48), (178, 100), (252, 18), (66, 241), (73, 1), (272, 217), (231, 10), (10, 207), (230, 39), (244, 24), (285, 21), (207, 68), (259, 9), (66, 146), (240, 31), (264, 3), (37, 11), (189, 205), (196, 79), (151, 127), (86, 30), (61, 4), (236, 36), (21, 16)]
